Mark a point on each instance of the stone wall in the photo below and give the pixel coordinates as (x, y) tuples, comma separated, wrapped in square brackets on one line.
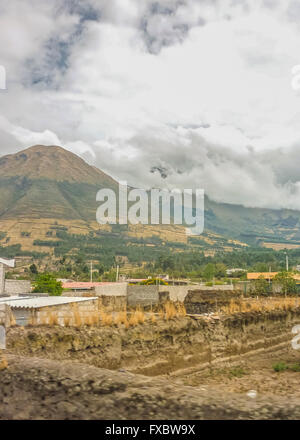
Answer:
[(207, 301), (178, 293)]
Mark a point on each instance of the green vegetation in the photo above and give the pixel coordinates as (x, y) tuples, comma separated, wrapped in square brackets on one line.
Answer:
[(237, 372), (46, 283), (261, 286), (295, 368), (178, 259), (285, 283), (15, 251), (280, 366), (153, 281)]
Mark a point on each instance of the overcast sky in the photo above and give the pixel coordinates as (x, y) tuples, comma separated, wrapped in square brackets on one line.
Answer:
[(187, 93)]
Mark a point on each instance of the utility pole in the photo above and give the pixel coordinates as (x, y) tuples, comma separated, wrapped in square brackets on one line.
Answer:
[(91, 271), (287, 261), (117, 276)]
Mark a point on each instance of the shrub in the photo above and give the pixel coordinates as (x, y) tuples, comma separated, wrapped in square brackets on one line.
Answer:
[(280, 366), (285, 282), (46, 283), (237, 372), (295, 367)]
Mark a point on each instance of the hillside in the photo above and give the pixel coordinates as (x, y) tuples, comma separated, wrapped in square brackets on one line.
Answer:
[(46, 190)]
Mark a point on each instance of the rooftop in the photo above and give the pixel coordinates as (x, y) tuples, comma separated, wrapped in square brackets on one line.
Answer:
[(85, 285), (36, 303)]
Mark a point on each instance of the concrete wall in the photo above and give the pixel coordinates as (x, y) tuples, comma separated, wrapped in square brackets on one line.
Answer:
[(66, 314), (2, 278), (115, 289), (114, 296), (143, 295), (4, 315), (178, 293), (16, 287)]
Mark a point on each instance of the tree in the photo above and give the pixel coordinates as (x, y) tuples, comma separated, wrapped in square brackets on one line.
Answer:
[(153, 281), (46, 283), (285, 281), (33, 269), (261, 286), (220, 270), (209, 272)]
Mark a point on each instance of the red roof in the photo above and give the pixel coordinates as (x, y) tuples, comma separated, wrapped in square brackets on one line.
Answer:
[(84, 285)]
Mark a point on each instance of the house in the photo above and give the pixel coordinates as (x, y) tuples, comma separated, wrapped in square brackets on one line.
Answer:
[(12, 287), (38, 310), (257, 275), (269, 276)]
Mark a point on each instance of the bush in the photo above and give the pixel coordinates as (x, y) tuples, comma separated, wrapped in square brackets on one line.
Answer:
[(46, 283), (284, 280), (280, 366), (295, 367), (237, 372), (261, 286)]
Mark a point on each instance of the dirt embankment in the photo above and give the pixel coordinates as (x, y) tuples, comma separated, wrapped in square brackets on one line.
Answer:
[(182, 344), (33, 388)]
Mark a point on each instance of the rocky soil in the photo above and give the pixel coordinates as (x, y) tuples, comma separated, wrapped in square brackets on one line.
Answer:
[(33, 388), (181, 369)]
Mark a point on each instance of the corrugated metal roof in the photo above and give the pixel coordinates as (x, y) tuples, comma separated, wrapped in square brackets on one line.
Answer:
[(36, 303), (12, 298)]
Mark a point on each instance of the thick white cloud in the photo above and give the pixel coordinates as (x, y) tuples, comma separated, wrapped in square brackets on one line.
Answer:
[(196, 91)]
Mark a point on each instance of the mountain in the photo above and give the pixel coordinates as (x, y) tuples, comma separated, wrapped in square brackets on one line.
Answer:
[(49, 182), (51, 163), (48, 189)]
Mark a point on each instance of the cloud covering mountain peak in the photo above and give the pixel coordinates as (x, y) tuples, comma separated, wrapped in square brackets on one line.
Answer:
[(197, 91)]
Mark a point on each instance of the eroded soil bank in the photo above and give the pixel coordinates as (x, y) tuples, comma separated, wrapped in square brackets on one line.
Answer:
[(165, 347), (206, 368)]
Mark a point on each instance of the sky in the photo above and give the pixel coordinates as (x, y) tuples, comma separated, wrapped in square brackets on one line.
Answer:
[(176, 94)]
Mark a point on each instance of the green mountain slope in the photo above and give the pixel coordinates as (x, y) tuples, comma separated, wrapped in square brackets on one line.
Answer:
[(44, 186)]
